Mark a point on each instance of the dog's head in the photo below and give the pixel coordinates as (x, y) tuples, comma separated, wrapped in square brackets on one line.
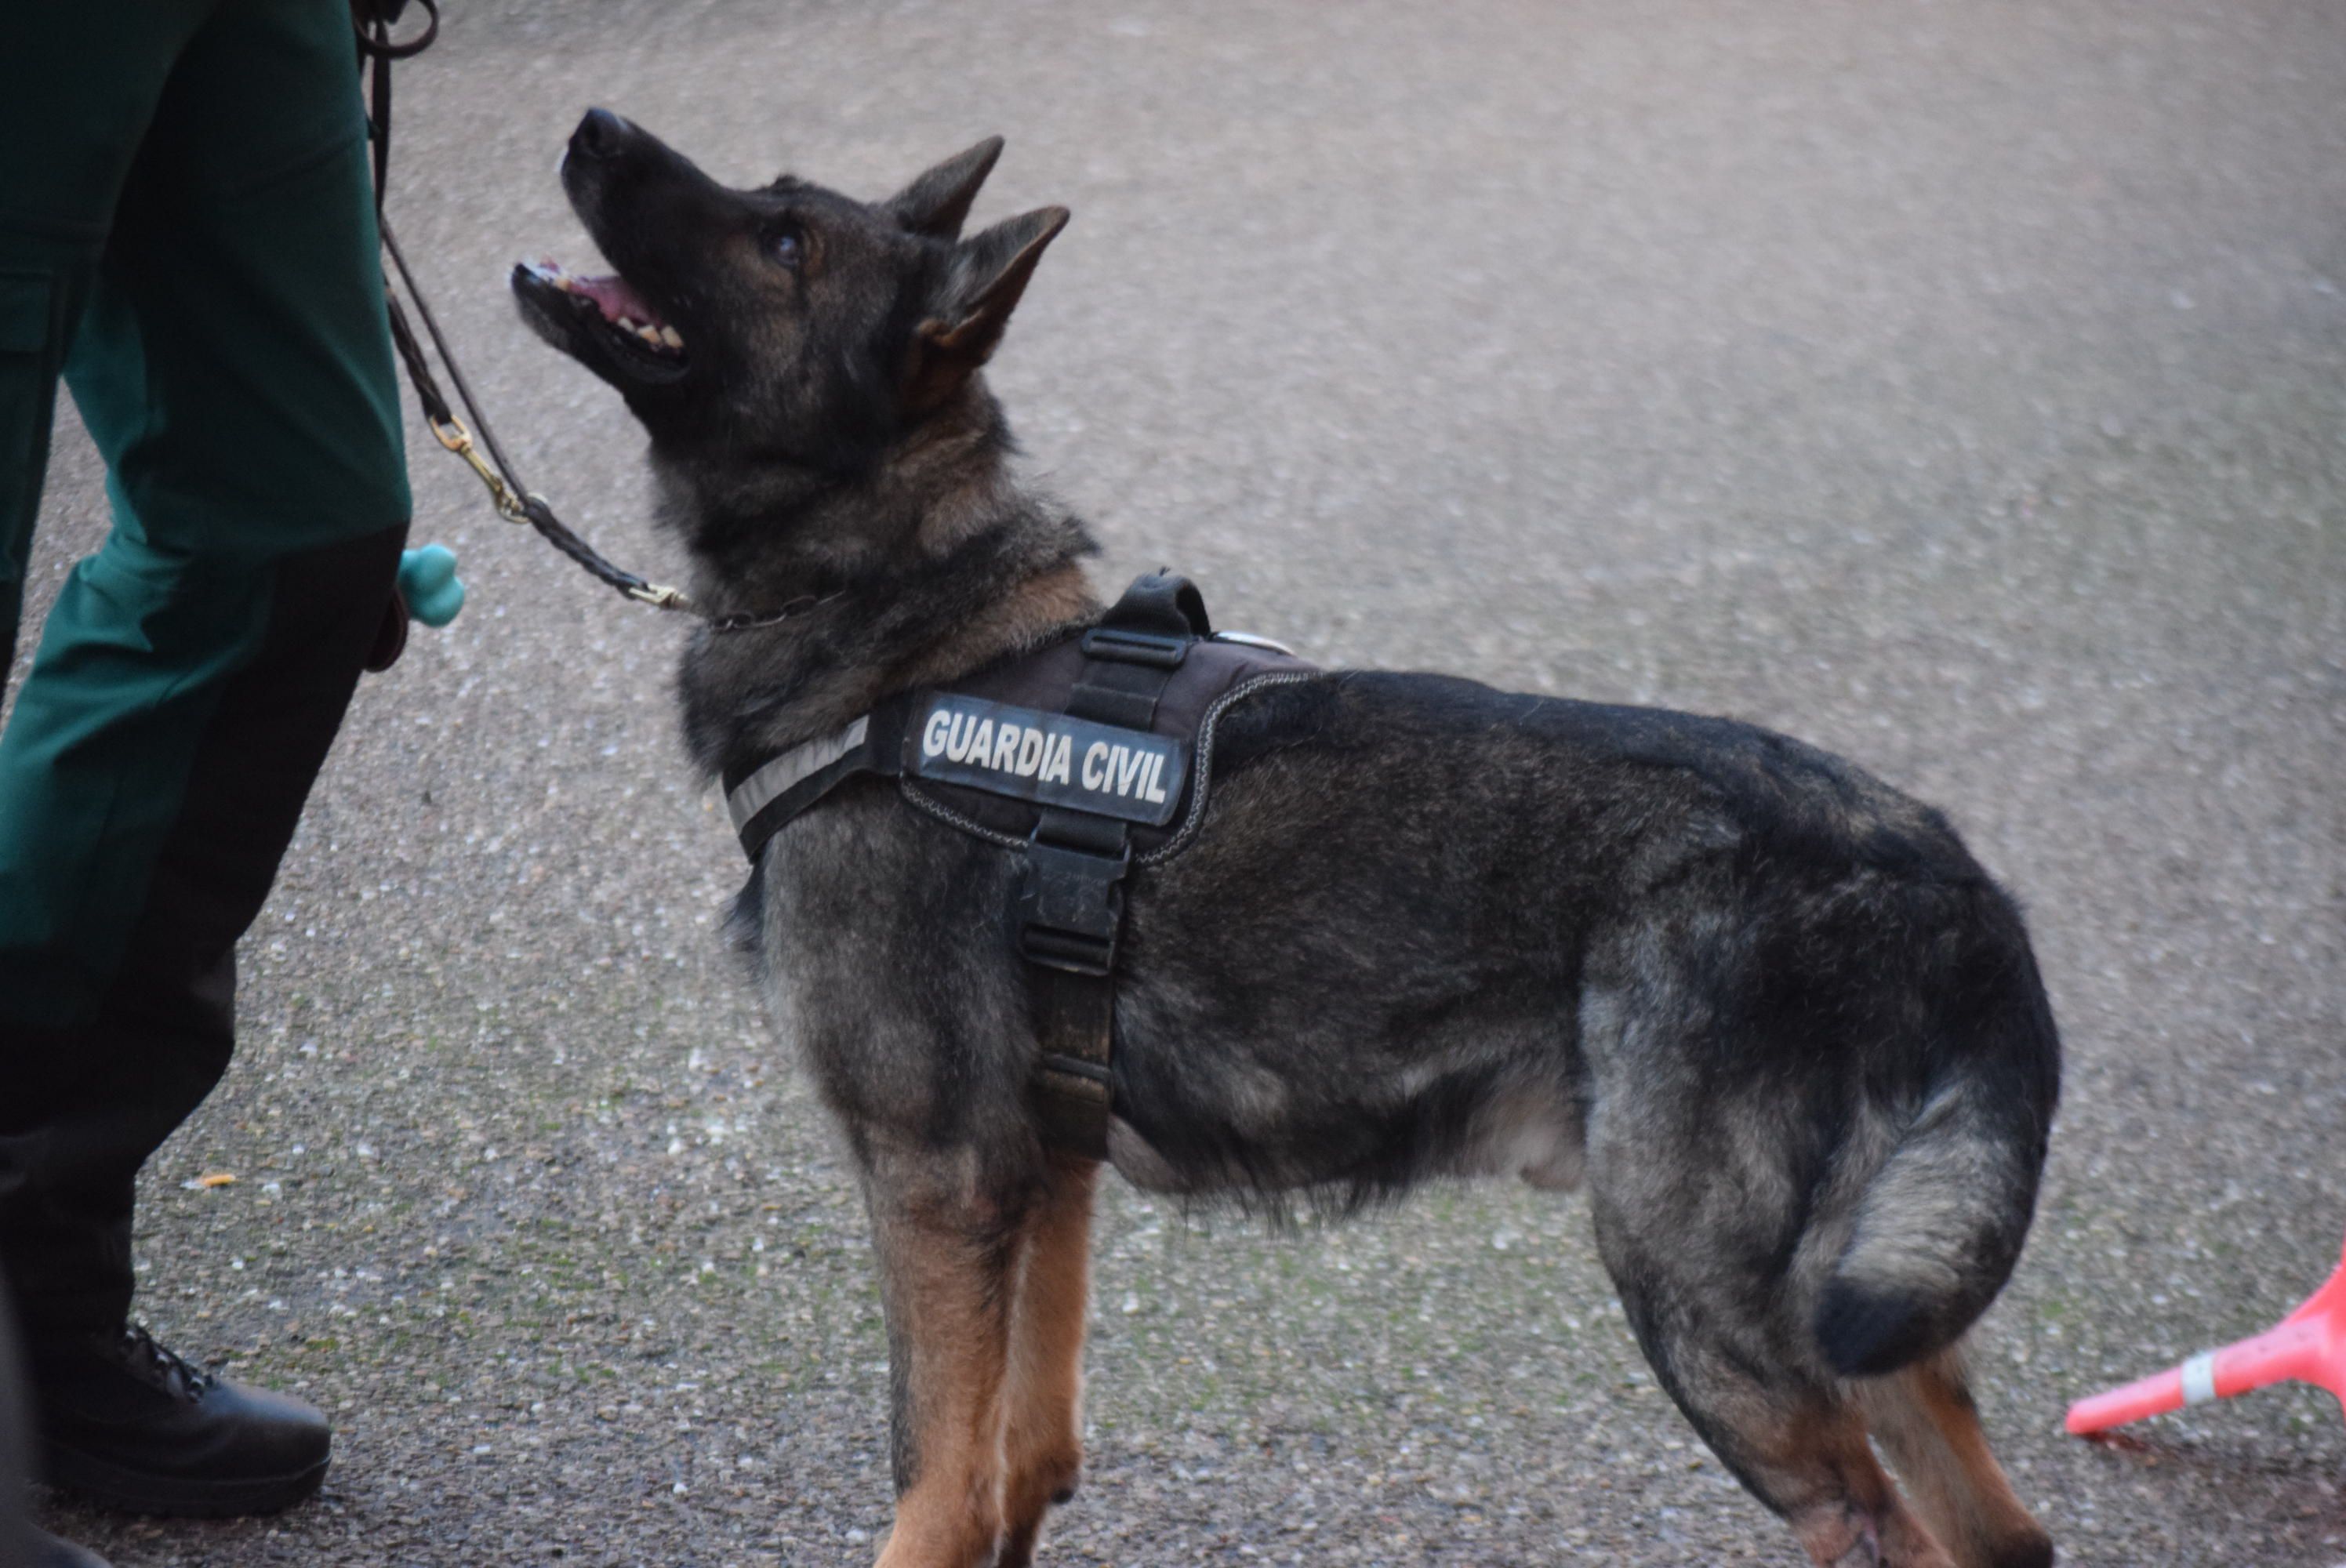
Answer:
[(790, 322)]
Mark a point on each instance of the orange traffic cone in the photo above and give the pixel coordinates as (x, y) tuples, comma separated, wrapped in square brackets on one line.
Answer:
[(2309, 1345)]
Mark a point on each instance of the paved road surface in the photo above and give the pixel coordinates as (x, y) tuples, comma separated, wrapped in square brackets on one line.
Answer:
[(1955, 385)]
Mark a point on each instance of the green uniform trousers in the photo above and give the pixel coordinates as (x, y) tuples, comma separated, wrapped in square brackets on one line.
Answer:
[(186, 236)]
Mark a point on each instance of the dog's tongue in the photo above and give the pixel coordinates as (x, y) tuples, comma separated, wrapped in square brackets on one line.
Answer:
[(617, 299)]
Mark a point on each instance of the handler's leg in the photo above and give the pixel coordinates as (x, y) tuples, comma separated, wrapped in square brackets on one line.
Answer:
[(121, 1422), (42, 286), (78, 87), (234, 369)]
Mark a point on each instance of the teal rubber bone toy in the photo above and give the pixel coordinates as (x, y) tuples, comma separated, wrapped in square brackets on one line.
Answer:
[(428, 582)]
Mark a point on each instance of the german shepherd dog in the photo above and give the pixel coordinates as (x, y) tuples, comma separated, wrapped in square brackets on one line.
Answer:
[(1768, 1010)]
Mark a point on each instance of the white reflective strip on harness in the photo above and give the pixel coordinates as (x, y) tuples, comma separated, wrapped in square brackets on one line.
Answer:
[(2199, 1379), (761, 790)]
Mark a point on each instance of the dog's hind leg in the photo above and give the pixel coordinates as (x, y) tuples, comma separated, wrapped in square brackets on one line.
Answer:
[(1043, 1441), (1924, 1417), (945, 1252), (1704, 1306), (1794, 1443)]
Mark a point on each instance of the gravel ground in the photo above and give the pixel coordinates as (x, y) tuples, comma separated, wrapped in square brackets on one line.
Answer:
[(1956, 386)]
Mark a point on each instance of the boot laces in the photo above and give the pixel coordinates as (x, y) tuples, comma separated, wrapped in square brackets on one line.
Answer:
[(162, 1365)]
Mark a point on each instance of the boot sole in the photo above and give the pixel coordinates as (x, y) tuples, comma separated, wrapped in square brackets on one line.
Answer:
[(179, 1497)]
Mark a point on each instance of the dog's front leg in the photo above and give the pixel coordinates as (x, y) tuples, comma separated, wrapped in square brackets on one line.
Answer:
[(945, 1252), (1042, 1442)]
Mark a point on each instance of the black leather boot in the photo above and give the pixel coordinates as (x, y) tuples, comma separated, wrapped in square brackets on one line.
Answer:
[(125, 1422)]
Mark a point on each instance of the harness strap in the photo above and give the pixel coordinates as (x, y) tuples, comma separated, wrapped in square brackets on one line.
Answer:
[(1071, 893), (761, 801)]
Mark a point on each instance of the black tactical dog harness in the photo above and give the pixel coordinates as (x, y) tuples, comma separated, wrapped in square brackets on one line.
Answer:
[(1087, 757)]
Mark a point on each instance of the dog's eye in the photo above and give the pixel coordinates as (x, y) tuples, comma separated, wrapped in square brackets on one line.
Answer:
[(785, 246)]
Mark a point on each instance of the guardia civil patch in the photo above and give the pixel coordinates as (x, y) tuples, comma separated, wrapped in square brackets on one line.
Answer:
[(1046, 757)]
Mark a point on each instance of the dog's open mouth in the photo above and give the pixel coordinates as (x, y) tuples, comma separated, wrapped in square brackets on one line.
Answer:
[(608, 312)]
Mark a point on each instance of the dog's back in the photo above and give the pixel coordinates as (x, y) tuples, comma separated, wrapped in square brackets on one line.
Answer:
[(1412, 884)]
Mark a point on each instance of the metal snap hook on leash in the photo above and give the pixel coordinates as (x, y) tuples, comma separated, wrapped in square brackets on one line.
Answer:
[(453, 434)]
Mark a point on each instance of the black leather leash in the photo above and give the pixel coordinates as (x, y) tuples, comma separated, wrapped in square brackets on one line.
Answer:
[(514, 502)]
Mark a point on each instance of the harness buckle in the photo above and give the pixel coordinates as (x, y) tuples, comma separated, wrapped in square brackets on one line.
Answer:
[(1071, 906), (1123, 644)]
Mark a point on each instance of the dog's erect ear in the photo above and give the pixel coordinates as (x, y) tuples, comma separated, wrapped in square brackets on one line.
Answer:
[(965, 319), (936, 204)]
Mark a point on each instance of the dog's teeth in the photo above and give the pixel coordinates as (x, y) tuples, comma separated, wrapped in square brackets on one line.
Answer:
[(649, 334), (671, 337), (625, 324), (562, 281)]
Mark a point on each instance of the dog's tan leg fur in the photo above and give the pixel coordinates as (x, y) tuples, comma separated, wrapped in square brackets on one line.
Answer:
[(1042, 1436), (1853, 1516), (945, 1270), (1927, 1422)]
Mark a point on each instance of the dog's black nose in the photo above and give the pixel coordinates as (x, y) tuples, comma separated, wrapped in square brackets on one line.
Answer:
[(601, 134)]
